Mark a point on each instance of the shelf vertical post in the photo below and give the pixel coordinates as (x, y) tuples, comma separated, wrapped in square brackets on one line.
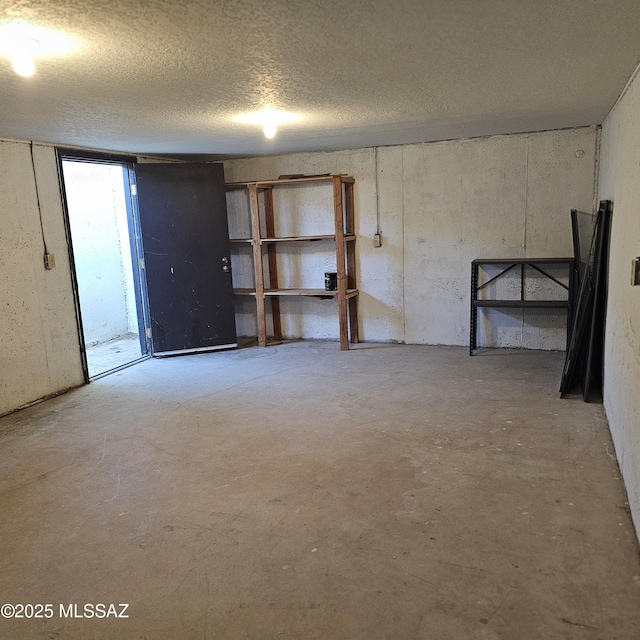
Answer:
[(338, 208), (272, 261), (257, 264), (473, 324), (351, 262)]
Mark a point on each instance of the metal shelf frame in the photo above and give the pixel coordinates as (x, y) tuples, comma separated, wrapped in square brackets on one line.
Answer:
[(508, 265)]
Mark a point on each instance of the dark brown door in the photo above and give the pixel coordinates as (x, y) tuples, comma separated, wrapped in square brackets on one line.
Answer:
[(185, 238)]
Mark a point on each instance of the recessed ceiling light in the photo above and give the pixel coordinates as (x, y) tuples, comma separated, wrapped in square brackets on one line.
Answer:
[(269, 119), (23, 42), (22, 58)]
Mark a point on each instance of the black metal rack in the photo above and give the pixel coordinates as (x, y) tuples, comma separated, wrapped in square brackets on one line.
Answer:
[(509, 264), (584, 363)]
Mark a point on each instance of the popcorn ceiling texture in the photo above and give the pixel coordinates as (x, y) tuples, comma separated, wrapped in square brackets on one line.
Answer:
[(167, 76)]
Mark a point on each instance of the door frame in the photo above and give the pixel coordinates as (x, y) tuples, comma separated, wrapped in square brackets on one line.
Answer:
[(142, 304)]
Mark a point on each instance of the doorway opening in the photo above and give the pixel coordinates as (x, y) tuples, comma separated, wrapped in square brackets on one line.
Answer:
[(105, 248)]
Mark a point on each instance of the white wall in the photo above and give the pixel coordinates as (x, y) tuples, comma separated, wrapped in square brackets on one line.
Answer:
[(101, 250), (39, 351), (440, 205), (620, 182)]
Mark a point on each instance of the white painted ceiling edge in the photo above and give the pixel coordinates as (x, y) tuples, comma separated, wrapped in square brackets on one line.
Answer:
[(164, 77)]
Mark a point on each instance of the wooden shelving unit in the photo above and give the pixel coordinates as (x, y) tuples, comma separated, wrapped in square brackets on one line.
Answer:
[(266, 280)]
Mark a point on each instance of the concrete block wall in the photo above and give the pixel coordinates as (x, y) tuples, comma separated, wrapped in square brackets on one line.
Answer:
[(440, 205), (620, 182), (39, 348)]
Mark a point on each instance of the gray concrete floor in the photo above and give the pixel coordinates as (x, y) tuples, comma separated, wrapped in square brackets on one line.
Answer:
[(298, 492), (112, 354)]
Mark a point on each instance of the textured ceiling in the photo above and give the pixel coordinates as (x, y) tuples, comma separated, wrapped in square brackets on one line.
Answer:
[(168, 76)]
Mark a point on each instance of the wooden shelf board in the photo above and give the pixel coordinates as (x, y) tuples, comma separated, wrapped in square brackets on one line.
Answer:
[(523, 304), (240, 240), (300, 292), (523, 261), (314, 293), (322, 293), (329, 236), (261, 184)]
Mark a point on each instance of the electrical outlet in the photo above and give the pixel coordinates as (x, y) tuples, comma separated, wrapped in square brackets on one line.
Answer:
[(377, 240), (49, 261)]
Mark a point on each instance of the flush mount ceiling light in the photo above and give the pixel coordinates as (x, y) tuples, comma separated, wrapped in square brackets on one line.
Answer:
[(23, 42), (269, 119)]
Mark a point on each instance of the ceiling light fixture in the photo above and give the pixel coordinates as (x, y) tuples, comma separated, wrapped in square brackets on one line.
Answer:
[(23, 58), (23, 42), (269, 119), (269, 130)]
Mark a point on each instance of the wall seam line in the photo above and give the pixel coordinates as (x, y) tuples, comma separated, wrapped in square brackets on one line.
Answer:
[(623, 93), (404, 257), (524, 230), (596, 168)]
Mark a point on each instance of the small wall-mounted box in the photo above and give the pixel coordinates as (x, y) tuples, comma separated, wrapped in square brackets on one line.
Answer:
[(635, 271), (49, 261)]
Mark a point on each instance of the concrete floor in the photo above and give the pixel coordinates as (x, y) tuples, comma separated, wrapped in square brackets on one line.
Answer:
[(112, 354), (299, 492)]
